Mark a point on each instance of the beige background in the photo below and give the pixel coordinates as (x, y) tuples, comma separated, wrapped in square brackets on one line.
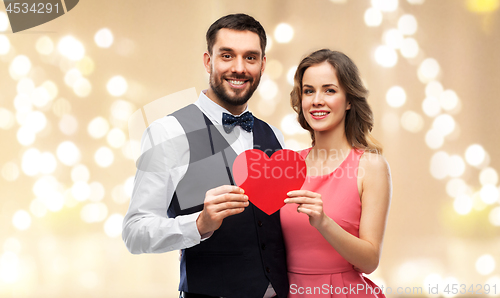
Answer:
[(158, 47)]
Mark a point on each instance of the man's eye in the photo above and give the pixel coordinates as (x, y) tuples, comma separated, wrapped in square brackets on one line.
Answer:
[(226, 56), (251, 58)]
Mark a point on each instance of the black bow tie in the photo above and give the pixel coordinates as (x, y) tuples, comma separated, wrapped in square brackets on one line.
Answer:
[(245, 121)]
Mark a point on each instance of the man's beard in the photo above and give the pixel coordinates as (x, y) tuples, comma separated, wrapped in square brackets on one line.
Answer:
[(241, 97)]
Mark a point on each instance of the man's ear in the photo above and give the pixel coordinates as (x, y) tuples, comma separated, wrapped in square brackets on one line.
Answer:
[(207, 62), (264, 60)]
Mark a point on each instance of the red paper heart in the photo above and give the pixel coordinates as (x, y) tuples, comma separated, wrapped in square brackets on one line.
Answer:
[(266, 181)]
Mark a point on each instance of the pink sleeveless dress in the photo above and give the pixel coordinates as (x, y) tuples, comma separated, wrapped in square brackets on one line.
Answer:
[(315, 268)]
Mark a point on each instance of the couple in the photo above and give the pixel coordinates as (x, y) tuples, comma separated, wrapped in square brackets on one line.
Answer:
[(184, 197)]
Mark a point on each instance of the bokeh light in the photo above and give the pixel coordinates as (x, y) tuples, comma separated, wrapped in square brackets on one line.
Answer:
[(97, 191), (449, 100), (475, 155), (80, 172), (456, 186), (86, 66), (12, 244), (21, 220), (434, 89), (485, 264), (434, 138), (29, 163), (54, 202), (444, 123), (19, 67), (393, 38), (428, 70), (268, 89), (431, 106), (36, 121), (283, 33), (483, 6), (386, 56), (407, 24), (98, 127), (373, 17), (494, 216), (385, 5), (61, 107), (489, 194), (488, 176), (116, 138), (48, 163), (82, 87), (119, 195), (10, 171), (7, 119), (44, 45), (25, 86), (463, 204), (269, 44), (396, 96), (94, 212), (25, 136), (4, 44), (409, 48), (439, 165), (113, 225), (290, 125), (80, 191), (71, 48), (104, 38), (390, 122), (131, 149), (72, 76), (38, 208), (9, 266), (412, 122), (416, 2), (122, 109), (68, 153), (456, 166), (290, 74), (104, 157), (117, 86), (128, 186), (4, 21), (68, 124)]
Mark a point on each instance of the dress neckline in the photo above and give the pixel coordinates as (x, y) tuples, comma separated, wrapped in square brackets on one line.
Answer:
[(331, 173)]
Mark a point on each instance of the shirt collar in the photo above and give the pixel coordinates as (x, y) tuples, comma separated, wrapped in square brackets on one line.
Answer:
[(212, 110)]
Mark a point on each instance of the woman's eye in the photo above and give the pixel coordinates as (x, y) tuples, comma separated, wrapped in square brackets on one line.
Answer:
[(330, 91), (307, 91)]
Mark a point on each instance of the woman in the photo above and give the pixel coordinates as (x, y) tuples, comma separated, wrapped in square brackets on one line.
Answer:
[(333, 227)]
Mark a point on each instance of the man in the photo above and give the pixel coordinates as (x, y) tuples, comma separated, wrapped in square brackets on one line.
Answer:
[(229, 247)]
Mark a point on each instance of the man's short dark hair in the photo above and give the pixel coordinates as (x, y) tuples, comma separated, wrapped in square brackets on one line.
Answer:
[(240, 22)]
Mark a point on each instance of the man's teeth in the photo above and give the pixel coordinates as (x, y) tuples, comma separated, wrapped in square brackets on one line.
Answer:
[(320, 113), (236, 82)]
